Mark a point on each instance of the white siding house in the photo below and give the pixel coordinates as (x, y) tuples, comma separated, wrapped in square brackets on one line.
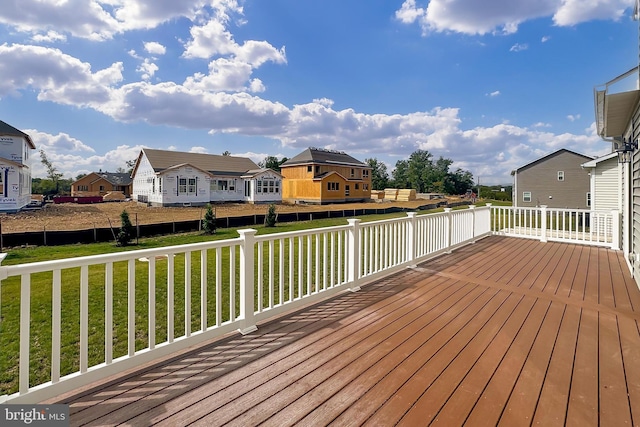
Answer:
[(171, 178), (605, 183), (15, 168), (262, 186)]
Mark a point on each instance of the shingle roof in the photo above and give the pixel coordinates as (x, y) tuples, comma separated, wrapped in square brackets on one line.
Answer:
[(116, 178), (319, 155), (555, 153), (7, 129), (212, 163)]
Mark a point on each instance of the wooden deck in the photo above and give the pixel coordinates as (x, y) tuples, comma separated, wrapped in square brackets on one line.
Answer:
[(503, 332)]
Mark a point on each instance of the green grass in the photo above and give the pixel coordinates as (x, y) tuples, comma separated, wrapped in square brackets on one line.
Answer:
[(41, 296)]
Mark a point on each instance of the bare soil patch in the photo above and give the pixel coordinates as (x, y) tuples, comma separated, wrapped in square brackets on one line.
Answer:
[(72, 216)]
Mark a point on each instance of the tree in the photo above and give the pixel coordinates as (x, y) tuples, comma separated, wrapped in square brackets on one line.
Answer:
[(226, 153), (209, 221), (379, 174), (125, 234), (272, 162), (52, 171), (271, 216), (400, 174), (130, 165)]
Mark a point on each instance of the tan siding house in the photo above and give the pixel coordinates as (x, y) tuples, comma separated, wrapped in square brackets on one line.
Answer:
[(556, 180), (322, 176)]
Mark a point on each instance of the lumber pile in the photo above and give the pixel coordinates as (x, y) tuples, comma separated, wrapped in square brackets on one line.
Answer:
[(390, 194), (377, 194), (113, 196), (406, 195)]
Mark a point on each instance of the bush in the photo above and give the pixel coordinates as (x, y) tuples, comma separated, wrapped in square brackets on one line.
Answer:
[(125, 234), (209, 221), (271, 217)]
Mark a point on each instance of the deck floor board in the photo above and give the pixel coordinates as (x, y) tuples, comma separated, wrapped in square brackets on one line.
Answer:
[(505, 331)]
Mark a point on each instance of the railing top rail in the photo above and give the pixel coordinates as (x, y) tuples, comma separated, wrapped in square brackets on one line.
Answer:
[(41, 266), (606, 212)]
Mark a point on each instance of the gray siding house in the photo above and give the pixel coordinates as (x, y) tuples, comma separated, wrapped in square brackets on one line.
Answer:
[(556, 180)]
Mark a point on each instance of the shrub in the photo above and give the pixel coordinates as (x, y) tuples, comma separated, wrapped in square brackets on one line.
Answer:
[(271, 217), (209, 221), (125, 234)]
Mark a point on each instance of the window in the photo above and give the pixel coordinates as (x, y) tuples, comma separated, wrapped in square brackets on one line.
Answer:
[(223, 185), (365, 173), (271, 186), (160, 185), (317, 169), (259, 186), (357, 186), (560, 175), (309, 168), (102, 188), (346, 190), (526, 196), (353, 172), (365, 187), (232, 185), (80, 187), (333, 186), (589, 199), (182, 185), (192, 185), (153, 187)]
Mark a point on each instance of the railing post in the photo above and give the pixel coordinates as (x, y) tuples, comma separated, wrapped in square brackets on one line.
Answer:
[(411, 238), (247, 281), (449, 227), (355, 257), (490, 220), (615, 230), (473, 223), (543, 223)]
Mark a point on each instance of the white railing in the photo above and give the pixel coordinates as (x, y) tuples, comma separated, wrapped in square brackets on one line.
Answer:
[(581, 226), (108, 313)]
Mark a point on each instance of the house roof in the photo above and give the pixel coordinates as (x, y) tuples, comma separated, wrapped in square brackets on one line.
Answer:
[(255, 172), (7, 129), (11, 162), (593, 163), (320, 155), (116, 178), (161, 160), (548, 156)]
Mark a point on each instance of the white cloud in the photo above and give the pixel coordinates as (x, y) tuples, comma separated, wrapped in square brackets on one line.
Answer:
[(494, 93), (102, 19), (50, 37), (541, 125), (503, 16), (545, 39), (518, 47), (147, 69), (573, 117), (155, 48)]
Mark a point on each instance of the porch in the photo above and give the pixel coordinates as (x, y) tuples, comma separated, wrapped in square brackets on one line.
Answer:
[(503, 331)]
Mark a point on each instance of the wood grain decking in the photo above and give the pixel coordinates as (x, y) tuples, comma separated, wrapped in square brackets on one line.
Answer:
[(503, 332)]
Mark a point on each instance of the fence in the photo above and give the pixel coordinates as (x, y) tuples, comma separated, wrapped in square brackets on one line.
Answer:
[(103, 234), (561, 225), (81, 319)]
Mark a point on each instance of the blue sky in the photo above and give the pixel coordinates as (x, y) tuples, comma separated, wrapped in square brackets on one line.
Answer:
[(491, 85)]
